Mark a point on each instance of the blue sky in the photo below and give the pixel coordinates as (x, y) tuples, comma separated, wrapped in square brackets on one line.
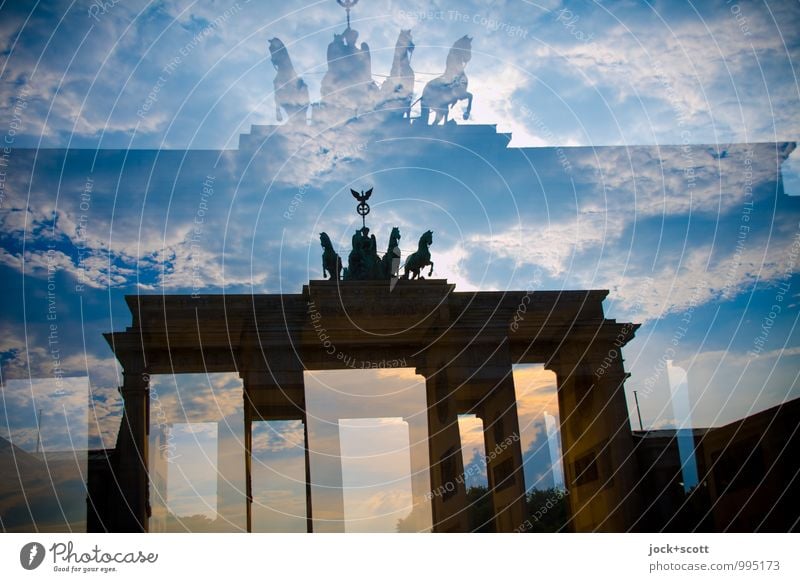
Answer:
[(650, 155), (729, 76)]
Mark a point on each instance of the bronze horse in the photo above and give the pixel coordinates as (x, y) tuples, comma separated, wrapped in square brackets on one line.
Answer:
[(331, 262), (420, 259)]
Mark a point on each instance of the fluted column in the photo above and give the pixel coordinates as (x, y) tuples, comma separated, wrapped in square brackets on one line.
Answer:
[(597, 447), (448, 492), (248, 460), (498, 410), (132, 450)]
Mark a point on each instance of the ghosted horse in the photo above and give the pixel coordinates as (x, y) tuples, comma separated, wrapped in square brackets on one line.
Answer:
[(397, 90), (443, 92), (291, 92), (420, 259)]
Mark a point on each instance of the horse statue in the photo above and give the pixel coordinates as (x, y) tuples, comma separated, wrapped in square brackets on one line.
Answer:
[(331, 262), (420, 259), (397, 91), (291, 92), (443, 92), (390, 262)]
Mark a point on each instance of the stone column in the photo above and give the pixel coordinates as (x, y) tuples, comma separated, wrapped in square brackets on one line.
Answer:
[(248, 460), (624, 488), (132, 451), (498, 411), (326, 475), (598, 450), (306, 449), (448, 492)]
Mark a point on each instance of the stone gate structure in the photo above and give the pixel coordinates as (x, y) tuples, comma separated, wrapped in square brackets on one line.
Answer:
[(463, 343)]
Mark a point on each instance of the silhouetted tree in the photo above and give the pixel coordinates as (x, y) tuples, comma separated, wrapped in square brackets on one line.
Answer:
[(479, 513), (480, 510), (546, 510)]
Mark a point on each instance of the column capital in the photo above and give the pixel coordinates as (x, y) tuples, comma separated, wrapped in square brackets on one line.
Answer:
[(433, 362), (598, 357), (570, 363)]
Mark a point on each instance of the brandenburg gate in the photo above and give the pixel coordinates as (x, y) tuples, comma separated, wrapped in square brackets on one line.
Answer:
[(463, 343)]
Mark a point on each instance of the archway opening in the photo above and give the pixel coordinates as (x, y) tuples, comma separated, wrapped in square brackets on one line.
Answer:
[(368, 450), (476, 480), (196, 453), (278, 477), (376, 473), (540, 437), (189, 490)]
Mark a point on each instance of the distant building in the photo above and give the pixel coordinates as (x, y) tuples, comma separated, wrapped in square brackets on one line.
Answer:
[(45, 489), (749, 476)]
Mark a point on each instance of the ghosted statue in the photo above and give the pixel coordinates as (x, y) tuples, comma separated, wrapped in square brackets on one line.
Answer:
[(331, 262), (348, 82), (291, 92), (420, 259), (443, 92), (363, 264), (336, 53), (362, 64), (397, 90), (390, 262)]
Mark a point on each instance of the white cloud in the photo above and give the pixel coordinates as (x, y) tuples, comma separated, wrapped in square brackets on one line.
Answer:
[(646, 65)]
